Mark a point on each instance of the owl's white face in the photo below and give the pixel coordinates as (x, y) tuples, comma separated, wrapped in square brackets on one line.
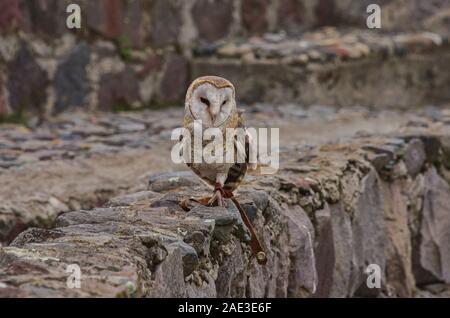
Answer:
[(212, 105)]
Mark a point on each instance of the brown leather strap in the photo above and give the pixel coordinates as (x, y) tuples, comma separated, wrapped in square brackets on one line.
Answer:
[(255, 245)]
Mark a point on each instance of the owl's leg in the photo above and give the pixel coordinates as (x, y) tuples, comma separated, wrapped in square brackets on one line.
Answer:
[(219, 193), (217, 197), (216, 200)]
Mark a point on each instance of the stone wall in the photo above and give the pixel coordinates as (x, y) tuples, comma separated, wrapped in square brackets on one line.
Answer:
[(137, 53), (323, 219), (331, 67)]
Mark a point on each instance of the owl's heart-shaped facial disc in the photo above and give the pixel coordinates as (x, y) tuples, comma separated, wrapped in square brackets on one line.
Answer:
[(211, 104)]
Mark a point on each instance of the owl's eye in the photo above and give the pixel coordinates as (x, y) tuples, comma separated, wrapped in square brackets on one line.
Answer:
[(224, 102), (205, 101)]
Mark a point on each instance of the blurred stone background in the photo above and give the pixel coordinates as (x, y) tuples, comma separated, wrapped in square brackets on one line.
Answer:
[(132, 54)]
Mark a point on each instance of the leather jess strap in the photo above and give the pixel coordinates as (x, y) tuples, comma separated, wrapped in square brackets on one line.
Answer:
[(255, 245)]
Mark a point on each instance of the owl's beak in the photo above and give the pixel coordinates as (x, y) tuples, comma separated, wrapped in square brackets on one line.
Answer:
[(211, 115)]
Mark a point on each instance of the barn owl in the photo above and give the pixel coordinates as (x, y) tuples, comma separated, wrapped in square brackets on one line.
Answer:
[(211, 100)]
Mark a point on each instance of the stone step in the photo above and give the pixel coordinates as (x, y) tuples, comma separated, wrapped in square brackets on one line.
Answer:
[(334, 67), (329, 213)]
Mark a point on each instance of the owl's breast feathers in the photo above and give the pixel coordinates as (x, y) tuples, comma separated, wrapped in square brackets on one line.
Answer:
[(237, 171)]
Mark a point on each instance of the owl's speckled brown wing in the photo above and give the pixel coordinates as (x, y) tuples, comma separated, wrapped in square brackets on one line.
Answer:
[(237, 172)]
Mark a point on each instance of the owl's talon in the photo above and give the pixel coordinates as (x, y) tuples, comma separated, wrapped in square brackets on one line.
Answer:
[(185, 203), (217, 198)]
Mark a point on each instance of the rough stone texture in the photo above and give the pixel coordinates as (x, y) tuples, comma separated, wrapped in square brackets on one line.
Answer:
[(10, 15), (71, 85), (414, 157), (333, 68), (44, 17), (166, 22), (368, 234), (105, 17), (175, 79), (399, 275), (213, 18), (3, 107), (327, 14), (255, 16), (77, 161), (134, 26), (118, 91), (434, 230), (27, 83), (291, 15), (65, 153), (325, 216), (428, 15), (264, 45)]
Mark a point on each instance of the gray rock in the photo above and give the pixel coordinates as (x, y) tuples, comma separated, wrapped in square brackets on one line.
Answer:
[(166, 22), (334, 252), (230, 278), (174, 79), (199, 242), (398, 248), (188, 255), (172, 180), (434, 252), (414, 157), (254, 16), (118, 91), (445, 142), (379, 161), (71, 83), (27, 83), (215, 25), (368, 235), (223, 219), (324, 252), (131, 199), (41, 17), (168, 278), (303, 279)]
